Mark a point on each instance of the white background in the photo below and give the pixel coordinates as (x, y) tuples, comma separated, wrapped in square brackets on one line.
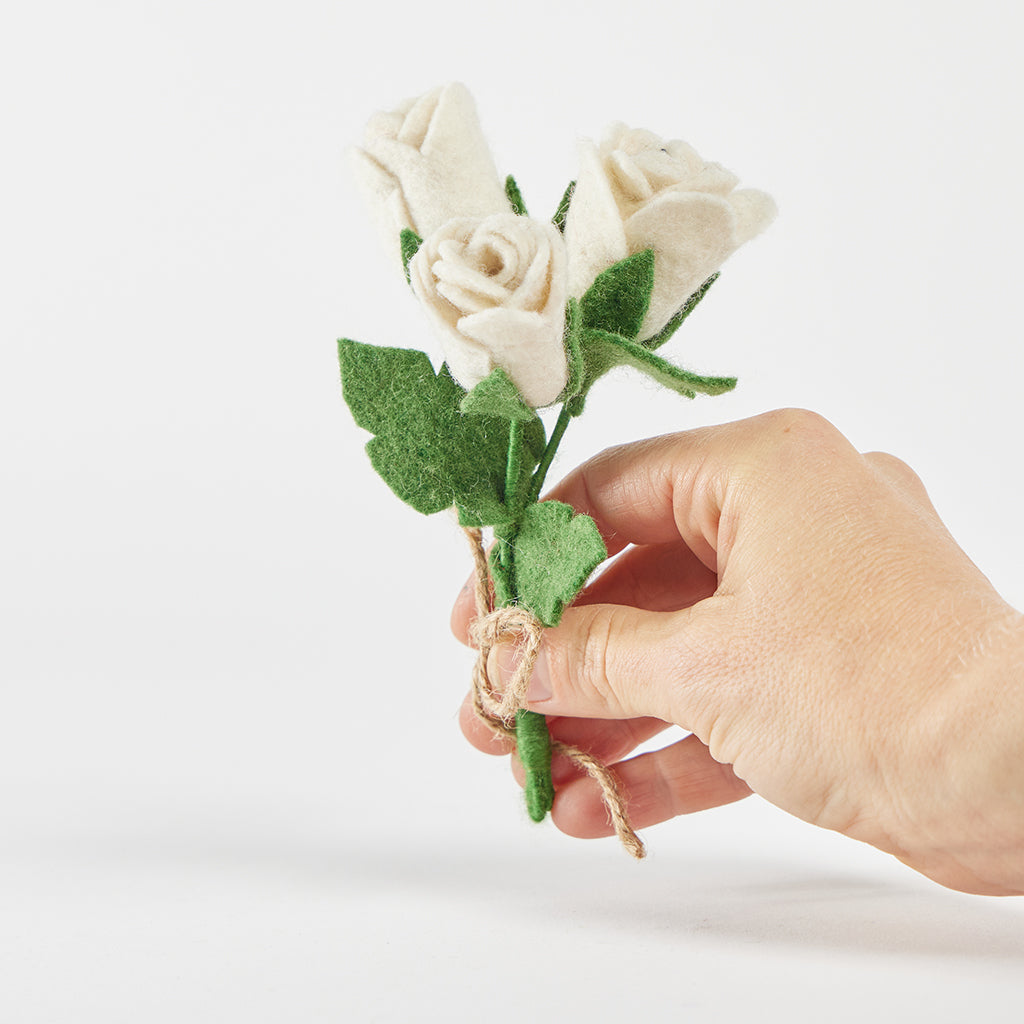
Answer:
[(231, 782)]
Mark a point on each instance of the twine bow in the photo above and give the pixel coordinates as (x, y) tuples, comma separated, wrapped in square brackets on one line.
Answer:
[(497, 708)]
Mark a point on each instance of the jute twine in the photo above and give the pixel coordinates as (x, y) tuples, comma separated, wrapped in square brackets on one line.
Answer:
[(497, 708)]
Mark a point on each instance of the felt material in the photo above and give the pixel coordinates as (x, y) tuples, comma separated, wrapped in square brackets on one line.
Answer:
[(555, 551), (426, 162), (515, 197), (563, 208), (497, 395), (676, 322), (617, 300), (577, 365), (636, 192), (409, 242), (533, 746), (604, 350), (427, 452), (494, 292)]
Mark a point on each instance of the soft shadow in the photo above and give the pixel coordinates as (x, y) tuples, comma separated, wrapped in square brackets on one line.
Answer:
[(736, 898)]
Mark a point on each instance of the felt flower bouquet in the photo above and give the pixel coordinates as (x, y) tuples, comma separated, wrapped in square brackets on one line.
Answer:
[(528, 313)]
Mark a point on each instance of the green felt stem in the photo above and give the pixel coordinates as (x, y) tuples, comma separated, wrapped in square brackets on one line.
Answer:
[(533, 741), (533, 744), (549, 453)]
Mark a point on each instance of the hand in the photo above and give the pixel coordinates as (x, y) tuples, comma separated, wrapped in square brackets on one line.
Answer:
[(803, 612)]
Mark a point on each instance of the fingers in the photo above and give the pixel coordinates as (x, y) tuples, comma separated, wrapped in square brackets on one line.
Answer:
[(614, 661), (607, 740), (663, 784), (658, 578)]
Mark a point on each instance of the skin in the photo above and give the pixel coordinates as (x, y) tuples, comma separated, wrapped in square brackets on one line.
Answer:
[(802, 611)]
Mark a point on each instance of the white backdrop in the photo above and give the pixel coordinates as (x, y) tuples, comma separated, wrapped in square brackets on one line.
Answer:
[(227, 792)]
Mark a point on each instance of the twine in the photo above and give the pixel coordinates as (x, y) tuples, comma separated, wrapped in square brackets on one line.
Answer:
[(497, 708)]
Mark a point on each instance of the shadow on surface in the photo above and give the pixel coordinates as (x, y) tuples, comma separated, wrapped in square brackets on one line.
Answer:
[(670, 899)]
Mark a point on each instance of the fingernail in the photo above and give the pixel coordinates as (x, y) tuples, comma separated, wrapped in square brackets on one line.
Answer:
[(540, 682), (503, 662)]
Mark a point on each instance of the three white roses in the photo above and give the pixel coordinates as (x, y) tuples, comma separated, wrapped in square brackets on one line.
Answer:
[(494, 283)]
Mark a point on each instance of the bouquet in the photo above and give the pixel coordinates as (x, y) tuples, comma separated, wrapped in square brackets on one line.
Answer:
[(528, 313)]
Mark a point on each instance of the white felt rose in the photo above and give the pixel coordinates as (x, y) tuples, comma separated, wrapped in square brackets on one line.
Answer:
[(495, 291), (427, 162), (636, 192)]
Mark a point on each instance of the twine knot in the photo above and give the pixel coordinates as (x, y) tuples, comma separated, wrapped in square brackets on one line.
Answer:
[(497, 708)]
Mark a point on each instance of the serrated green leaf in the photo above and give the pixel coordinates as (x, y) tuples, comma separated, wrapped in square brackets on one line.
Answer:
[(497, 395), (563, 207), (555, 551), (675, 323), (617, 301), (427, 452), (410, 244), (607, 350), (515, 197)]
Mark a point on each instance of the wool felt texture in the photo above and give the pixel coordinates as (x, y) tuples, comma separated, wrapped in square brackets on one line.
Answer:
[(563, 207), (497, 395), (429, 453), (636, 192), (494, 292), (426, 162), (409, 244), (528, 313), (603, 325), (555, 551), (515, 197)]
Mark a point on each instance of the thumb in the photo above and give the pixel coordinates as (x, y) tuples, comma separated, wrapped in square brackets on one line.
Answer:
[(616, 661)]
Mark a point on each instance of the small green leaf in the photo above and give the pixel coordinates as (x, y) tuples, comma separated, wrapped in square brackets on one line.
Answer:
[(497, 395), (613, 350), (427, 452), (555, 551), (410, 243), (674, 324), (575, 360), (515, 197), (563, 208), (617, 301)]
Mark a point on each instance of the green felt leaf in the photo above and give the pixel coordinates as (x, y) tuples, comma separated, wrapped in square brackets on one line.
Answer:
[(555, 551), (497, 395), (575, 359), (515, 197), (410, 243), (606, 349), (617, 301), (563, 207), (674, 324), (426, 450)]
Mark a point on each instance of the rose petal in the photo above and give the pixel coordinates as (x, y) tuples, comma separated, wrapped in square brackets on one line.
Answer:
[(692, 234)]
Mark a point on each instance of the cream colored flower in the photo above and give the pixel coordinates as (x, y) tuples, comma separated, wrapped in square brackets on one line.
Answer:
[(495, 291), (427, 162), (637, 192)]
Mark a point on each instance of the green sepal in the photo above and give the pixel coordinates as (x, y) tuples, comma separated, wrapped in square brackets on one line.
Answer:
[(618, 299), (515, 197), (497, 395), (426, 451), (674, 324), (563, 207), (605, 350), (575, 359), (410, 243), (554, 552)]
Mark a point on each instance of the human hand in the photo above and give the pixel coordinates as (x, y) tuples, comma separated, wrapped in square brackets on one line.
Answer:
[(803, 612)]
